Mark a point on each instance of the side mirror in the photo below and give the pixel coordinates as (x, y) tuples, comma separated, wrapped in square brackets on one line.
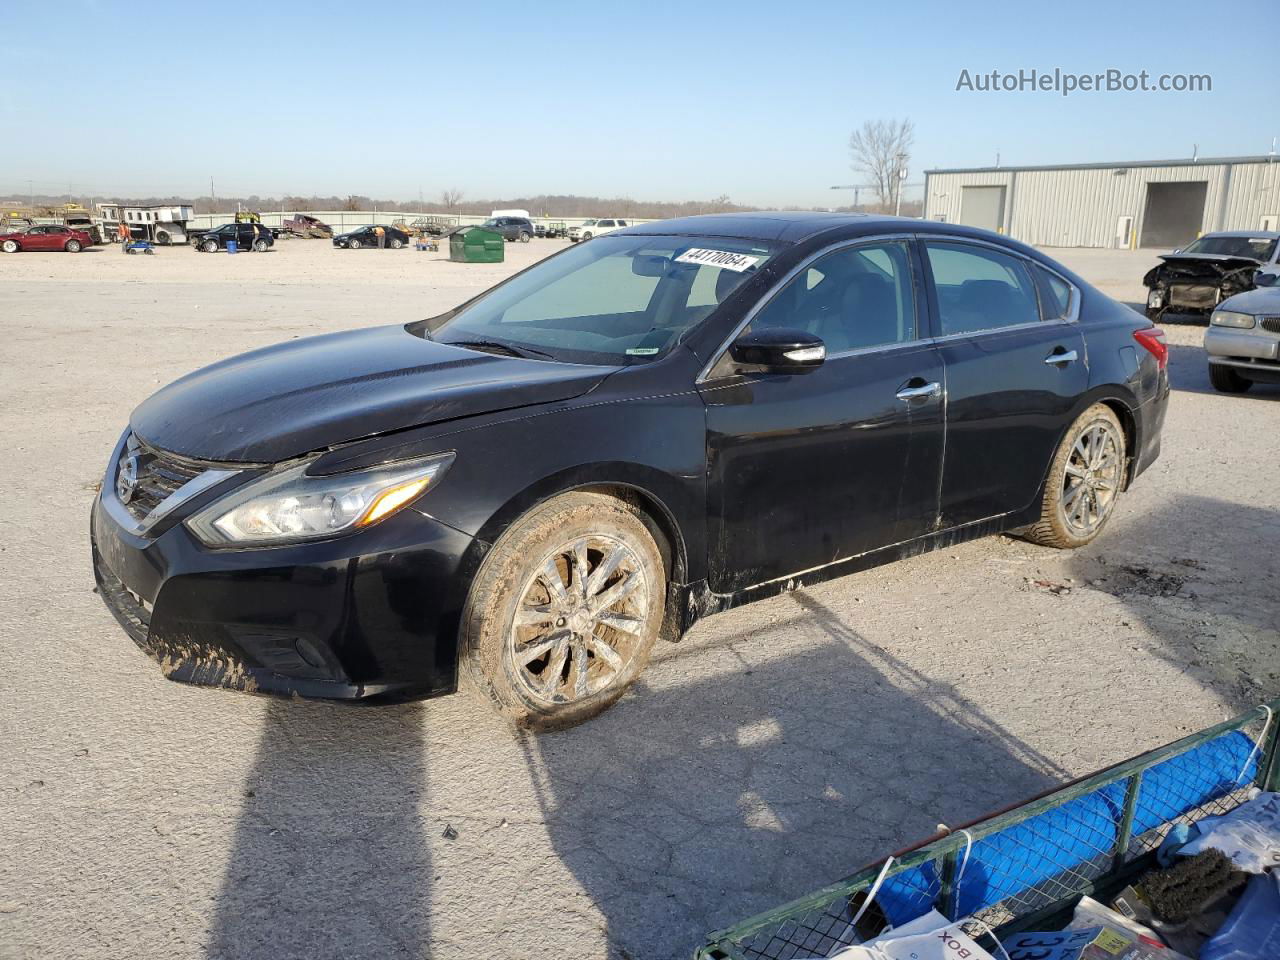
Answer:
[(779, 349)]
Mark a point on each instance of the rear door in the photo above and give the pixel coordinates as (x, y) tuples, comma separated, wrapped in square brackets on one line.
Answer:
[(1013, 375), (811, 468)]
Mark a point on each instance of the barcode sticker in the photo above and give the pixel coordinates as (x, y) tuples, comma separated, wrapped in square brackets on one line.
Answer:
[(726, 260)]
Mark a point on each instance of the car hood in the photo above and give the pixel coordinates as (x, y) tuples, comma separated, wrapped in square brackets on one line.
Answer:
[(294, 398), (1260, 301)]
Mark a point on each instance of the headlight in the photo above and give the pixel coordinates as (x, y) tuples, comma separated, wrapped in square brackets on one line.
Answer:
[(1226, 318), (288, 506)]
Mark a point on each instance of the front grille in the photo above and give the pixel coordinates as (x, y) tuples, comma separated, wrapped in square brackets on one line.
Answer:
[(159, 476), (1270, 323)]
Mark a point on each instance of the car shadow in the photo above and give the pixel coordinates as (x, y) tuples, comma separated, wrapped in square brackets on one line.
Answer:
[(713, 800), (311, 874), (1210, 600), (1189, 370)]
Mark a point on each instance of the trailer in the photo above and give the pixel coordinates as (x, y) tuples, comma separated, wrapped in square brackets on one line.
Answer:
[(163, 224)]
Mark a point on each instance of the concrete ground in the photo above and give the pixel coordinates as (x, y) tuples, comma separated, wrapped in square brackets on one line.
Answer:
[(775, 749)]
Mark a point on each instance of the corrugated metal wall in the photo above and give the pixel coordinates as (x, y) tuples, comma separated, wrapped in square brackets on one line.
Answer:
[(1081, 207)]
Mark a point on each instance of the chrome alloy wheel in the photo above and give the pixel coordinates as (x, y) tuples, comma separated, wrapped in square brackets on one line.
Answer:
[(1092, 478), (579, 620)]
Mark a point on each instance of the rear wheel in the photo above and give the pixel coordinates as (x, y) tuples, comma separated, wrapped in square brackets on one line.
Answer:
[(1226, 380), (261, 246), (524, 237), (9, 246), (73, 246), (209, 246), (396, 244), (1084, 481), (564, 611)]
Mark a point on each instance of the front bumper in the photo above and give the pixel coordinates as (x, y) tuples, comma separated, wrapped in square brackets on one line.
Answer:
[(1254, 353), (373, 614)]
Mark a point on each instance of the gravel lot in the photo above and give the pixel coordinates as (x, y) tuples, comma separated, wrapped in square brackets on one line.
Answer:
[(778, 747)]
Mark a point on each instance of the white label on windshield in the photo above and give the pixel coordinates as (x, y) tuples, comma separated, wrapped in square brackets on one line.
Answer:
[(737, 262)]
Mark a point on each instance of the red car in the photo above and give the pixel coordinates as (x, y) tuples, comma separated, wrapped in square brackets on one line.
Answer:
[(45, 238)]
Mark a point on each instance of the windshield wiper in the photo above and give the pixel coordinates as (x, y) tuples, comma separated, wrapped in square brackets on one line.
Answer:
[(525, 353)]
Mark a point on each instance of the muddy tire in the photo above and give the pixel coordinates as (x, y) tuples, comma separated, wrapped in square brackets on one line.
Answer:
[(1085, 480), (564, 611), (1226, 380)]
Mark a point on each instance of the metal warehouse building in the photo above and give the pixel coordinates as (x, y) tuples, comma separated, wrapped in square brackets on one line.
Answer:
[(1161, 203)]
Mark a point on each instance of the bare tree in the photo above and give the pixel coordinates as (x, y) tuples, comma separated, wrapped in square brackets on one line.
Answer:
[(880, 148), (451, 198)]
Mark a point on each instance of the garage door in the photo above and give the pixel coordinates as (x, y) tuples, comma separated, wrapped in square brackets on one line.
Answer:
[(982, 207), (1174, 214)]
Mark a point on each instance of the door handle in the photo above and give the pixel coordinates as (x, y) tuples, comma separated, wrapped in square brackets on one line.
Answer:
[(923, 392), (1067, 356)]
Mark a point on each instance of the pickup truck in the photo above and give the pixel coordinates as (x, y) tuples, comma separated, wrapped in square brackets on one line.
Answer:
[(593, 228), (305, 225)]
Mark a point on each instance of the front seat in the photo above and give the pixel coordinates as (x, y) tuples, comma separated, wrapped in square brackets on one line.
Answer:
[(869, 314)]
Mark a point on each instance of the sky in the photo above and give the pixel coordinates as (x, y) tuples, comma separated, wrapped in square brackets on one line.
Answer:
[(649, 100)]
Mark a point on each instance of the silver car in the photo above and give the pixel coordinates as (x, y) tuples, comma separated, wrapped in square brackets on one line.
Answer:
[(1243, 340)]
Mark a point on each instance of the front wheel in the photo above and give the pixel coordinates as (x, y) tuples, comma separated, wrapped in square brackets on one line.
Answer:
[(210, 246), (586, 236), (353, 244), (1226, 380), (9, 246), (564, 611), (73, 246), (1084, 481)]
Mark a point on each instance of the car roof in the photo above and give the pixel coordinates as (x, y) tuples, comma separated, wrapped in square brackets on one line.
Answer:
[(791, 226), (1252, 234)]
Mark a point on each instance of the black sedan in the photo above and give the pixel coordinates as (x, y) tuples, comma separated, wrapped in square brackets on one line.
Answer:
[(393, 238), (667, 422)]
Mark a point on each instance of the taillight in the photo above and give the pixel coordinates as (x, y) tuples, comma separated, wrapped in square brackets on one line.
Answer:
[(1152, 338)]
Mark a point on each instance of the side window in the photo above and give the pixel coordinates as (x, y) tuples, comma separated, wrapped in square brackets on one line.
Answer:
[(1055, 294), (980, 289), (605, 223), (853, 298), (622, 223)]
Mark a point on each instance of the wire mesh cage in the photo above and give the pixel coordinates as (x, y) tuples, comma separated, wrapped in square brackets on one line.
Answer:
[(1012, 870)]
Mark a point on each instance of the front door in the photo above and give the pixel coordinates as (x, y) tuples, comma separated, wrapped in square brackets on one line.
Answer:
[(808, 469), (1015, 367)]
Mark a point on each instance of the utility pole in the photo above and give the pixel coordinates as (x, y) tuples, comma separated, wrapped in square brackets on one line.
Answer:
[(213, 197), (901, 174)]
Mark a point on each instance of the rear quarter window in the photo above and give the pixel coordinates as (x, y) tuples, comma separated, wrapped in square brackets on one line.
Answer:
[(1055, 294)]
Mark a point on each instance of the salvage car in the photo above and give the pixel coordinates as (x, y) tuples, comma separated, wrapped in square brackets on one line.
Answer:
[(511, 228), (309, 227), (1243, 339), (595, 228), (365, 237), (1198, 277), (533, 487), (246, 236), (45, 238)]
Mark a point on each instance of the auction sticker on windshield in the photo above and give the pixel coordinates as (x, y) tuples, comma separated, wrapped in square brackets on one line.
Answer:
[(737, 262)]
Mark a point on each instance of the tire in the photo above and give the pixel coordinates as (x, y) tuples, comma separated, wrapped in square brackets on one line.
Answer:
[(261, 246), (73, 246), (353, 244), (395, 244), (1227, 380), (1086, 477), (10, 246), (209, 246), (546, 691), (586, 236), (524, 237), (163, 238)]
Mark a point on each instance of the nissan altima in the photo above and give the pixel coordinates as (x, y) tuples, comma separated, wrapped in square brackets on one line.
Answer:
[(531, 489)]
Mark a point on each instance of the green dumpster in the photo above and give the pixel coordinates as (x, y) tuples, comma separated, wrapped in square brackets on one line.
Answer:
[(476, 245)]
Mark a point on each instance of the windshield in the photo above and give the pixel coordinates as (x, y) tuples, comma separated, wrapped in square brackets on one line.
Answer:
[(588, 223), (1255, 248), (617, 299)]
